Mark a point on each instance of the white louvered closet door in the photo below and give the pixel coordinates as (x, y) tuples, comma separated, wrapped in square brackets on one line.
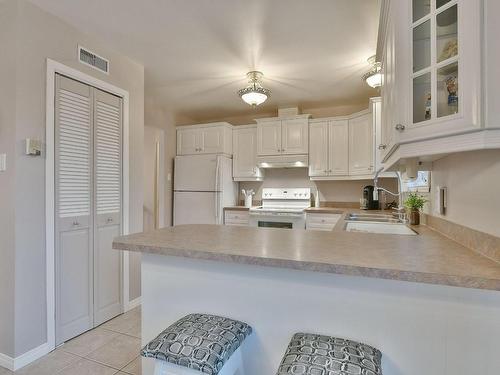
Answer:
[(74, 209), (108, 177)]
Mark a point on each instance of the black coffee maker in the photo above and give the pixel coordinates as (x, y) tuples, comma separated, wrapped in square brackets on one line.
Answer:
[(368, 202)]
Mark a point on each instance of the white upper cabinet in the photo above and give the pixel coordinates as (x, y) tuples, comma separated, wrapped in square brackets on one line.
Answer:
[(318, 149), (269, 138), (432, 75), (245, 154), (338, 139), (361, 145), (444, 74), (187, 141), (213, 138), (283, 136), (294, 136)]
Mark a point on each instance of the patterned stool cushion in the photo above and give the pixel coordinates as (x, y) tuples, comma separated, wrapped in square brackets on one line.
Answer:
[(309, 354), (199, 341)]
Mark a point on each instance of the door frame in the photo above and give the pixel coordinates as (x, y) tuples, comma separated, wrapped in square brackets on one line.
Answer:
[(54, 67)]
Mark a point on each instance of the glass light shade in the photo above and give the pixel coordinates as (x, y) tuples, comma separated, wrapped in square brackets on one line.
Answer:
[(254, 98), (374, 80)]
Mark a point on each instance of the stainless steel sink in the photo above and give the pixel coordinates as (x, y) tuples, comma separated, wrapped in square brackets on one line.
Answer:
[(373, 218)]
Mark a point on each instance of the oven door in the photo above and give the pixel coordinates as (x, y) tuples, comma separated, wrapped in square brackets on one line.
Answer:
[(277, 220)]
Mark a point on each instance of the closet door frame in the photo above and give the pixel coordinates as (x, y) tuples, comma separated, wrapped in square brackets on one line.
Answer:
[(54, 67)]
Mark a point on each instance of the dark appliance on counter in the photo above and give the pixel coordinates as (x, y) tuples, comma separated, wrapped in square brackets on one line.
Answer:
[(368, 202)]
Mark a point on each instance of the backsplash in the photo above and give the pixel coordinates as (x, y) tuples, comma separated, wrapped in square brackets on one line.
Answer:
[(329, 191)]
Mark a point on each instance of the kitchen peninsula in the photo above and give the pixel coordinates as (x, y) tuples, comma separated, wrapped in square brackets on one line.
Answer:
[(431, 305)]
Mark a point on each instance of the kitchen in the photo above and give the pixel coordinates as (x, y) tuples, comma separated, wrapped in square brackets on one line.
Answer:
[(317, 206), (254, 188)]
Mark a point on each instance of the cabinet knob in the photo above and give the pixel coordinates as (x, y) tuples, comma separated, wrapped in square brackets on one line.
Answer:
[(109, 220), (400, 127), (382, 147)]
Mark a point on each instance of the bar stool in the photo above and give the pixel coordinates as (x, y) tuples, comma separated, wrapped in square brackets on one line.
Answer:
[(311, 354), (199, 343)]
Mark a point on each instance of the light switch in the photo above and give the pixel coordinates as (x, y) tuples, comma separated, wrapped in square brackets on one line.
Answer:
[(3, 162)]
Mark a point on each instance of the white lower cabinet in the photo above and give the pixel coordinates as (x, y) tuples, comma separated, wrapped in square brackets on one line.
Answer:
[(321, 221), (236, 217)]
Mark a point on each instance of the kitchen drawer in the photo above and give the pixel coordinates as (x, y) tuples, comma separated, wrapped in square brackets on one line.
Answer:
[(321, 221), (236, 218)]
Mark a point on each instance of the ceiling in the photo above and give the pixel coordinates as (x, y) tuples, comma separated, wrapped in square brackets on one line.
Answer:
[(196, 52)]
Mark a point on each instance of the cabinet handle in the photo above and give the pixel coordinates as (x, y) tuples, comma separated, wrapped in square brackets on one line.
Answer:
[(76, 223), (109, 220), (400, 127), (382, 147)]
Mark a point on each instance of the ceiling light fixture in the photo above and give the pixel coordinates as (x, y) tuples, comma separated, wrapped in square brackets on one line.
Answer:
[(254, 94), (374, 77)]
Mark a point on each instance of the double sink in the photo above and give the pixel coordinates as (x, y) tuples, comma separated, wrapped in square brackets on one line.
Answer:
[(376, 223)]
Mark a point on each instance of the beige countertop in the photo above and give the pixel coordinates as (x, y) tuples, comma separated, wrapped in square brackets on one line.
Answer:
[(427, 258)]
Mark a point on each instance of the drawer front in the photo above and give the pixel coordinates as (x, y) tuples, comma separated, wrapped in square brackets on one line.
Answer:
[(321, 221), (236, 218)]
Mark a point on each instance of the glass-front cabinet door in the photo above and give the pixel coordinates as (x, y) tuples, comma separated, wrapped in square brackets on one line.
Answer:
[(445, 67)]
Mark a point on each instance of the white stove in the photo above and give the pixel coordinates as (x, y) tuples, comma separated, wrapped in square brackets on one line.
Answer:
[(282, 208)]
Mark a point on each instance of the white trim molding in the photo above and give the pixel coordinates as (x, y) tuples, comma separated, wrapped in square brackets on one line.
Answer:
[(133, 304), (14, 364), (54, 67)]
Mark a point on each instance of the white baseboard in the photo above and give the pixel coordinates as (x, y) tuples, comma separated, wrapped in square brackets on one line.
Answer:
[(133, 304), (14, 364)]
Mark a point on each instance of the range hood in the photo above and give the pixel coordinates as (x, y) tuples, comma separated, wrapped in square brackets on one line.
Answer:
[(283, 161)]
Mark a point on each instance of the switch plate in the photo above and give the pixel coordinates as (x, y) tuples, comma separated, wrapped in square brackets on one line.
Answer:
[(3, 162)]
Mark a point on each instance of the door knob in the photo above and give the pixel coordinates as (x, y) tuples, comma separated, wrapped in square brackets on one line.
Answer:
[(400, 127)]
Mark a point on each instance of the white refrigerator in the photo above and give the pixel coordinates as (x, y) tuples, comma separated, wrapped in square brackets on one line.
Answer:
[(203, 186)]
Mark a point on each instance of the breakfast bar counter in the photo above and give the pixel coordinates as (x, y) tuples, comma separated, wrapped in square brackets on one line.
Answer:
[(427, 258), (429, 304)]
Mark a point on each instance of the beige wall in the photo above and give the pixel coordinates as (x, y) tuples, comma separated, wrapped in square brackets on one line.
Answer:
[(249, 116), (7, 178), (473, 183), (40, 35), (158, 117), (332, 191)]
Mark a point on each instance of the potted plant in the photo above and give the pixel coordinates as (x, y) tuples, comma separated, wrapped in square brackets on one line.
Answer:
[(414, 203)]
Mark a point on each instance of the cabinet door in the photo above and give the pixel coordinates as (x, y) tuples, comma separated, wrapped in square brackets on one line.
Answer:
[(187, 141), (339, 148), (211, 140), (318, 155), (294, 136), (269, 138), (245, 153), (361, 145)]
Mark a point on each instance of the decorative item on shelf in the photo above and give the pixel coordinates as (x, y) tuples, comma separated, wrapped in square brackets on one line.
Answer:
[(428, 106), (450, 49), (248, 194), (414, 203), (373, 77), (451, 83), (254, 94)]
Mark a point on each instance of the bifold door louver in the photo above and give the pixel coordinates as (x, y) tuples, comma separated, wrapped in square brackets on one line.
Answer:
[(91, 59)]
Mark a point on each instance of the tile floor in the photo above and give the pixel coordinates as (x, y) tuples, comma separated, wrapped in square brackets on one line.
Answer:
[(112, 348)]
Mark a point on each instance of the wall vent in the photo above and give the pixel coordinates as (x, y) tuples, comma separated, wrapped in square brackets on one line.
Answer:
[(93, 60)]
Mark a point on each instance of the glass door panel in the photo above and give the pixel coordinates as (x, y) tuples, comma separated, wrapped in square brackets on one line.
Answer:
[(422, 98), (422, 46), (447, 90), (421, 8), (440, 3), (447, 34)]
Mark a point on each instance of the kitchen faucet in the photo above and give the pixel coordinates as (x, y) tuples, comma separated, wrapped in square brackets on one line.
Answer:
[(400, 210)]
